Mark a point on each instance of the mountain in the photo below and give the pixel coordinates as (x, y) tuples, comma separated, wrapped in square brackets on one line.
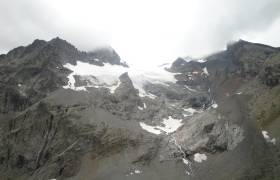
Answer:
[(68, 114)]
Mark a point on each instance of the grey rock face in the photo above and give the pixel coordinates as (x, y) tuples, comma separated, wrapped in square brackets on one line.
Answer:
[(126, 90), (107, 55), (181, 65), (206, 133)]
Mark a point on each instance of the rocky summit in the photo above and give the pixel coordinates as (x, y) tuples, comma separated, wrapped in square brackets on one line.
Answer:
[(73, 115)]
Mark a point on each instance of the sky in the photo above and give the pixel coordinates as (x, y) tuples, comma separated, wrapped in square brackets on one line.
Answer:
[(143, 32)]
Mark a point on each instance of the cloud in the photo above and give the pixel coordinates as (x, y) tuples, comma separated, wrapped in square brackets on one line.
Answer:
[(143, 32), (21, 22), (225, 21)]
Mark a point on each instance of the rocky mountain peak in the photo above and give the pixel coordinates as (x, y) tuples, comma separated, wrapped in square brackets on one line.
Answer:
[(124, 78), (15, 53), (60, 50), (38, 43), (61, 45), (183, 65), (21, 51), (106, 54)]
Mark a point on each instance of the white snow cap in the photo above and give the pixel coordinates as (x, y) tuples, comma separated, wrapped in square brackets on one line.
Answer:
[(108, 76)]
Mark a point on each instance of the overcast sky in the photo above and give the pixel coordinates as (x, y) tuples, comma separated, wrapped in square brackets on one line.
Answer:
[(142, 31)]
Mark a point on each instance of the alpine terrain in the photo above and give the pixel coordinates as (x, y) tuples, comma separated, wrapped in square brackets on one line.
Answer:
[(73, 115)]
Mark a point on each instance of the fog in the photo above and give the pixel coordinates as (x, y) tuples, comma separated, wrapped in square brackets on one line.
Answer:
[(143, 32)]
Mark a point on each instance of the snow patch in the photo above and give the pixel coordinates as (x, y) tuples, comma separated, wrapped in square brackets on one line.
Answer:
[(114, 87), (149, 95), (201, 60), (239, 93), (215, 105), (188, 164), (136, 171), (145, 106), (188, 59), (200, 157), (168, 126), (108, 76), (190, 89), (268, 138), (150, 129), (190, 77), (189, 112), (185, 161), (205, 71), (140, 108)]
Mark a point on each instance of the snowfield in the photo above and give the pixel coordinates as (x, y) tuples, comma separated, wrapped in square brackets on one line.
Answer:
[(168, 126), (108, 76)]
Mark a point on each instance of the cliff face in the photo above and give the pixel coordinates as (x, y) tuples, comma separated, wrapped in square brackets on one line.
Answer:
[(253, 69), (67, 114)]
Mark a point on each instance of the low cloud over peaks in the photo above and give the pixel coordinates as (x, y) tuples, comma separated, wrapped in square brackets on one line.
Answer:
[(141, 31)]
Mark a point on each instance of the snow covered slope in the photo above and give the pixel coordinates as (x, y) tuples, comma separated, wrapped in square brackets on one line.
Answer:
[(108, 76)]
